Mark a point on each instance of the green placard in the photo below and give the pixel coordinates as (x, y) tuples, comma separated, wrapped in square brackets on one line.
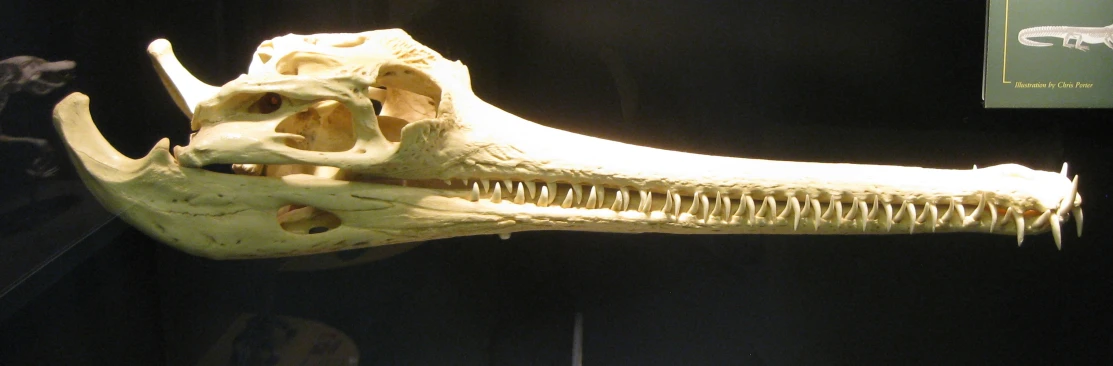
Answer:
[(1049, 54)]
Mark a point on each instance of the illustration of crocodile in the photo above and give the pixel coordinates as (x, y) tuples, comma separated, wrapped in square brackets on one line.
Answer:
[(1081, 36)]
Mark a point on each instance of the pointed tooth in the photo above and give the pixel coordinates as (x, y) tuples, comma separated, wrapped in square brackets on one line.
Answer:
[(806, 210), (975, 166), (567, 198), (591, 197), (815, 213), (1040, 221), (641, 200), (899, 216), (960, 211), (520, 197), (911, 216), (761, 211), (668, 202), (1077, 212), (694, 209), (617, 205), (1008, 214), (726, 209), (992, 215), (741, 206), (888, 217), (552, 192), (504, 236), (579, 191), (625, 198), (648, 202), (448, 182), (1068, 202), (787, 210), (748, 211), (768, 208), (543, 198), (718, 204), (947, 214), (853, 214), (465, 182), (834, 210), (795, 204), (1063, 171), (532, 187), (704, 205), (1019, 218), (676, 204), (474, 192), (934, 215), (486, 185), (874, 213), (496, 196), (977, 214), (751, 210), (1056, 231), (509, 185), (864, 217)]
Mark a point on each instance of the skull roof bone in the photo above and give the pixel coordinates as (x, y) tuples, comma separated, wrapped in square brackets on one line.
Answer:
[(320, 169)]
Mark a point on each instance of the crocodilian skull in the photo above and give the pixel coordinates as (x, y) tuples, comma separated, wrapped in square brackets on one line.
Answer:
[(345, 141)]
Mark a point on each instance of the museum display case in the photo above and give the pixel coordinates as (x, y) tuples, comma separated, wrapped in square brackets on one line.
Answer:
[(534, 182)]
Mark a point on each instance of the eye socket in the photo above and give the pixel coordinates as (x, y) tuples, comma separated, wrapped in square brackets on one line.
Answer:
[(269, 103)]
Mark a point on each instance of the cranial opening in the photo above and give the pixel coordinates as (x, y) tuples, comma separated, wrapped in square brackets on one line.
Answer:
[(406, 95), (400, 95), (324, 126), (299, 219)]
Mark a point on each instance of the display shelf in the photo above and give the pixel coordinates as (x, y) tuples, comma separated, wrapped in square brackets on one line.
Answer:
[(42, 240)]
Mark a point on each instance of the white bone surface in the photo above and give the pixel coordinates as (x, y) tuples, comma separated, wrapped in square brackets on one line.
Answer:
[(319, 170)]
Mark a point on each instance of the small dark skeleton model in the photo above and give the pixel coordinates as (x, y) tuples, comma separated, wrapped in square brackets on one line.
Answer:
[(39, 77)]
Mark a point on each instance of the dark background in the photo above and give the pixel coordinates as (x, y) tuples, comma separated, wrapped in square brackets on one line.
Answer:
[(819, 80)]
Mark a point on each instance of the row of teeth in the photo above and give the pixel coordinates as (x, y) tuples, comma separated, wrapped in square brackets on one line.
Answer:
[(720, 208)]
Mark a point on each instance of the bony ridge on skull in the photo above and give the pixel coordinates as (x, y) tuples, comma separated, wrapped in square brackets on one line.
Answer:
[(342, 141)]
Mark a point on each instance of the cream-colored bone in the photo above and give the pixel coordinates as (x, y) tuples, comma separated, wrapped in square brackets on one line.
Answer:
[(326, 171), (186, 91)]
